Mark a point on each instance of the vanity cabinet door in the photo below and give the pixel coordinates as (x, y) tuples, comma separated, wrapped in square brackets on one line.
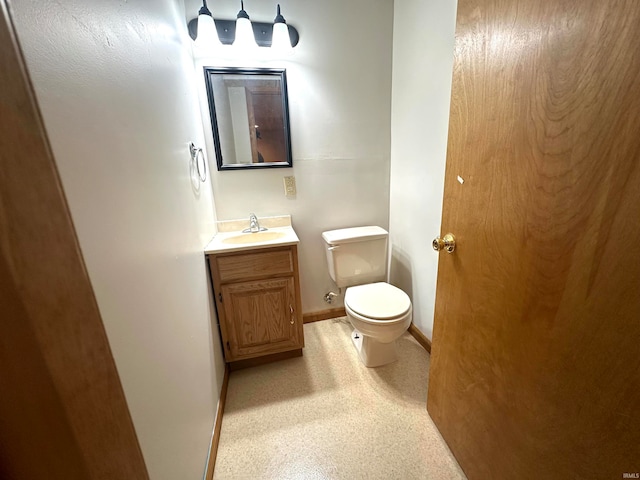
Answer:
[(260, 317)]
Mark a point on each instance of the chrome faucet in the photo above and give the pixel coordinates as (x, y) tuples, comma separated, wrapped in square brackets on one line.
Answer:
[(254, 225)]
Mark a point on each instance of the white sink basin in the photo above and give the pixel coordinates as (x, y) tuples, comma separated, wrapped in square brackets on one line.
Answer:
[(231, 238), (257, 237)]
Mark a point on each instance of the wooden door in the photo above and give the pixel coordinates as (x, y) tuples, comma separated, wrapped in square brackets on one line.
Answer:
[(261, 317), (535, 371)]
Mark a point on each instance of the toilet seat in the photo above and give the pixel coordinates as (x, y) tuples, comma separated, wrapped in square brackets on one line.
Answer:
[(377, 301)]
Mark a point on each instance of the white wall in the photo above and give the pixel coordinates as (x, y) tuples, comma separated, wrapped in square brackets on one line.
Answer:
[(339, 82), (114, 82), (423, 39)]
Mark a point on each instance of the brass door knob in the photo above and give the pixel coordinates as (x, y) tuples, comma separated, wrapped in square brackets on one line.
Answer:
[(447, 243)]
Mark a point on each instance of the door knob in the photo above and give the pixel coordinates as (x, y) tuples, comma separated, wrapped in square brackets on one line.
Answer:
[(447, 243)]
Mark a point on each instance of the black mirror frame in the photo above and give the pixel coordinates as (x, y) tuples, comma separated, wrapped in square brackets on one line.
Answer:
[(279, 72)]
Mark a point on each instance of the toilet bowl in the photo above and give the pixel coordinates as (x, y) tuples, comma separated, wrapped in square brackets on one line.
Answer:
[(379, 313)]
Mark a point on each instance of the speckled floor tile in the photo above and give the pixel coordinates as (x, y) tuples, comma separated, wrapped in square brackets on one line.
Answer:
[(327, 416)]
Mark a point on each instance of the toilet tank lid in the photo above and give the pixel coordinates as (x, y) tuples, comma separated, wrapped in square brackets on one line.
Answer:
[(354, 234)]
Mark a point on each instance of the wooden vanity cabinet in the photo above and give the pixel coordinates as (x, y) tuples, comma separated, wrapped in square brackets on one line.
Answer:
[(257, 296)]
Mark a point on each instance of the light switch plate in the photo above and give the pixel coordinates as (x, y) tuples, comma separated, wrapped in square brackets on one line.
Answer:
[(290, 186)]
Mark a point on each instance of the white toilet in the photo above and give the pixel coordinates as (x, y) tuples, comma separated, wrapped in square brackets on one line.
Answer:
[(380, 313)]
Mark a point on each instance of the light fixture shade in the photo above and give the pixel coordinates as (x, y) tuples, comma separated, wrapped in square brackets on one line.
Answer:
[(207, 34), (245, 38), (280, 40)]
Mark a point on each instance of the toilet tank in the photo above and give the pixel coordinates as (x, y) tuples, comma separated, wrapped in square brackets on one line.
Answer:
[(356, 256)]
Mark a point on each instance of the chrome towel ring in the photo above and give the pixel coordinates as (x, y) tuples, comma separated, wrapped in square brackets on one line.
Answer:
[(197, 156)]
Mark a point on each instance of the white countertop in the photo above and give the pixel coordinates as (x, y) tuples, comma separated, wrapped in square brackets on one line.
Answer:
[(230, 229)]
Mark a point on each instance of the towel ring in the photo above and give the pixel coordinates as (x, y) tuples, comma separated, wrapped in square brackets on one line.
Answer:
[(196, 155)]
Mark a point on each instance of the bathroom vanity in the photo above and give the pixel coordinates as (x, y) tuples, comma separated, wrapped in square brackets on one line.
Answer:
[(257, 292)]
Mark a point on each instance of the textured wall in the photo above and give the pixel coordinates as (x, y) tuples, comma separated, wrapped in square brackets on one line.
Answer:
[(423, 39), (115, 84), (339, 83)]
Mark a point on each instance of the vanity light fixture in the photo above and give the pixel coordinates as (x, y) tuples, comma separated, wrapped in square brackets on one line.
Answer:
[(264, 34)]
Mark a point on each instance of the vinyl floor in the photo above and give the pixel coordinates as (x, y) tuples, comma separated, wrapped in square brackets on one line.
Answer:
[(326, 416)]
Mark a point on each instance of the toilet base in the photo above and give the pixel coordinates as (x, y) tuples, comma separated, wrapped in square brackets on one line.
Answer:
[(373, 353)]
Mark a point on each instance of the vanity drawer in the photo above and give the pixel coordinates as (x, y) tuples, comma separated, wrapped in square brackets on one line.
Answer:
[(247, 266)]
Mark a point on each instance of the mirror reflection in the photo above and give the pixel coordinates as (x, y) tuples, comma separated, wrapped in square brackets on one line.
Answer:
[(249, 117)]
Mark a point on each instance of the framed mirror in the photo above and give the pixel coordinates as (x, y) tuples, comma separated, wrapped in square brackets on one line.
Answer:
[(249, 117)]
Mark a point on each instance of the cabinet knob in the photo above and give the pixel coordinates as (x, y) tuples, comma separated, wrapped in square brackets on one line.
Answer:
[(293, 316)]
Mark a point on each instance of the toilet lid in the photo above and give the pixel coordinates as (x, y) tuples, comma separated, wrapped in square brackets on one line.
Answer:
[(377, 300)]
